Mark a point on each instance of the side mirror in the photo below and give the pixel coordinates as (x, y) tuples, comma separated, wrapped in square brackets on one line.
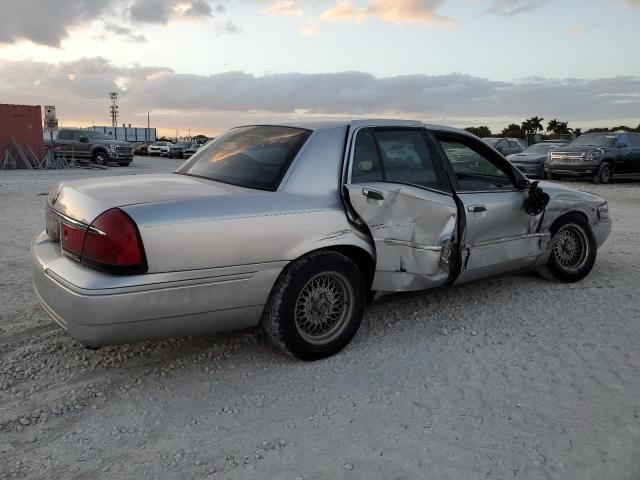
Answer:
[(500, 149), (84, 139)]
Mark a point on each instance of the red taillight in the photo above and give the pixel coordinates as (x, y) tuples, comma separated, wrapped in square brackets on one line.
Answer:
[(113, 242), (72, 238)]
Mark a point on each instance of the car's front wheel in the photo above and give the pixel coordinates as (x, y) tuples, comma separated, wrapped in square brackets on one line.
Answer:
[(316, 306), (100, 158), (604, 173), (574, 250)]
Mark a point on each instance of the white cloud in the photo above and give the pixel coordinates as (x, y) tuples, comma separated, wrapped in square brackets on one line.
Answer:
[(513, 7), (125, 32), (80, 89)]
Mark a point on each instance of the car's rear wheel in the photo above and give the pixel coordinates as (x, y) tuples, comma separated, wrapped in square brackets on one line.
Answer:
[(100, 158), (574, 250), (604, 173), (316, 306)]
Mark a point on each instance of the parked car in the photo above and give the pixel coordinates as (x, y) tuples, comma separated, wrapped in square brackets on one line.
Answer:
[(92, 146), (601, 156), (177, 150), (140, 148), (159, 148), (190, 150), (531, 161), (506, 146), (291, 226)]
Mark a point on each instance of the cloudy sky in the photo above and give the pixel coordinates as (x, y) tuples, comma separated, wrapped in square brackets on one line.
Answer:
[(206, 65)]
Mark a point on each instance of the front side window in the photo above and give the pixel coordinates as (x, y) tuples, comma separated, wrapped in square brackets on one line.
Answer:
[(399, 156), (473, 170), (252, 157), (95, 135)]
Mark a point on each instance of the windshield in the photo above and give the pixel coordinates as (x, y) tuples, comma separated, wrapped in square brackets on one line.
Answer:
[(491, 141), (541, 147), (252, 157), (97, 135), (596, 140)]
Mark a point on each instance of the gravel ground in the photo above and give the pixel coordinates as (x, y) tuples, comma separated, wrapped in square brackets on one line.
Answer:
[(512, 377)]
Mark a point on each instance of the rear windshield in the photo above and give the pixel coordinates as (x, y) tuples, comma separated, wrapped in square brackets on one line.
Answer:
[(252, 157)]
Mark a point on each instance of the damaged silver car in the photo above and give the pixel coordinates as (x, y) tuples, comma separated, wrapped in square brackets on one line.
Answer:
[(291, 227)]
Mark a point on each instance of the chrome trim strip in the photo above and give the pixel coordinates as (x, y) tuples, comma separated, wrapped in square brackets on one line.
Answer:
[(67, 219), (507, 239), (404, 243)]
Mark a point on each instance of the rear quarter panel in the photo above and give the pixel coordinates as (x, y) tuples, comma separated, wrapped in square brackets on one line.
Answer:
[(304, 215)]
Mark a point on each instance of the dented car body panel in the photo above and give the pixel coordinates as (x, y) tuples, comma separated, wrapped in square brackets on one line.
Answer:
[(215, 250)]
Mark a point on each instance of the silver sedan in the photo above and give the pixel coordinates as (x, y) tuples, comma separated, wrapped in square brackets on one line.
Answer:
[(292, 227)]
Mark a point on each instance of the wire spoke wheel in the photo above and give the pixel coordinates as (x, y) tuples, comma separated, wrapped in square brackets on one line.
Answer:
[(572, 248), (324, 307)]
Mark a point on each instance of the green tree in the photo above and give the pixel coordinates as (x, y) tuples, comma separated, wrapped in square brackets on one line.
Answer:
[(481, 131), (577, 132), (513, 130), (558, 128)]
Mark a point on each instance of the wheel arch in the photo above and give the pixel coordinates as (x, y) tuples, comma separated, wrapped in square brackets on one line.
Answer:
[(580, 213), (99, 149)]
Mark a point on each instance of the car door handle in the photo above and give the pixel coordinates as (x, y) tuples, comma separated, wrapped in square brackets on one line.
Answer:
[(372, 194), (477, 208)]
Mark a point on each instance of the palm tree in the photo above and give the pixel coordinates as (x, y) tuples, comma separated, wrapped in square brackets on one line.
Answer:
[(552, 126), (536, 124)]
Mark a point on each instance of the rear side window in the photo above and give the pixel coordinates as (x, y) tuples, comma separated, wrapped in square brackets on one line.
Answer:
[(253, 157), (65, 135), (399, 156), (367, 166), (635, 139)]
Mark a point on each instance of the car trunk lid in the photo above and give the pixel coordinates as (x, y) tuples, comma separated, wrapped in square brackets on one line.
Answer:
[(84, 200)]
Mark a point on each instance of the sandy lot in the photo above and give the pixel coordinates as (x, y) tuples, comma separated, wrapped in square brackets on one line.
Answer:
[(513, 377)]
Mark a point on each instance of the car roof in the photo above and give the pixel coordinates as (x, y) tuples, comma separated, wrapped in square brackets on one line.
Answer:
[(359, 123)]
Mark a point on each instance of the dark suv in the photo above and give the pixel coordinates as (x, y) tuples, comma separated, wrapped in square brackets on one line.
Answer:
[(93, 146), (598, 155)]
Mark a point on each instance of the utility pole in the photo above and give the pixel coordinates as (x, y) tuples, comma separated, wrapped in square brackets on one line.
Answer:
[(114, 108)]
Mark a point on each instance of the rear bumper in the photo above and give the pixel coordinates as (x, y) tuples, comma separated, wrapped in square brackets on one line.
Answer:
[(101, 309)]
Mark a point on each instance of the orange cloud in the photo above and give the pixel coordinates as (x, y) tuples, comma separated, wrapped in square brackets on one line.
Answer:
[(345, 12), (286, 7), (391, 11)]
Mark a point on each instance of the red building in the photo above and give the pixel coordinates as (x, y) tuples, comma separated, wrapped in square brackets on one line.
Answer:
[(24, 123)]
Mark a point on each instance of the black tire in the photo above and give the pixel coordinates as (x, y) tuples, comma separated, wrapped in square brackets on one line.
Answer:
[(561, 266), (101, 158), (604, 174), (292, 309), (550, 176)]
